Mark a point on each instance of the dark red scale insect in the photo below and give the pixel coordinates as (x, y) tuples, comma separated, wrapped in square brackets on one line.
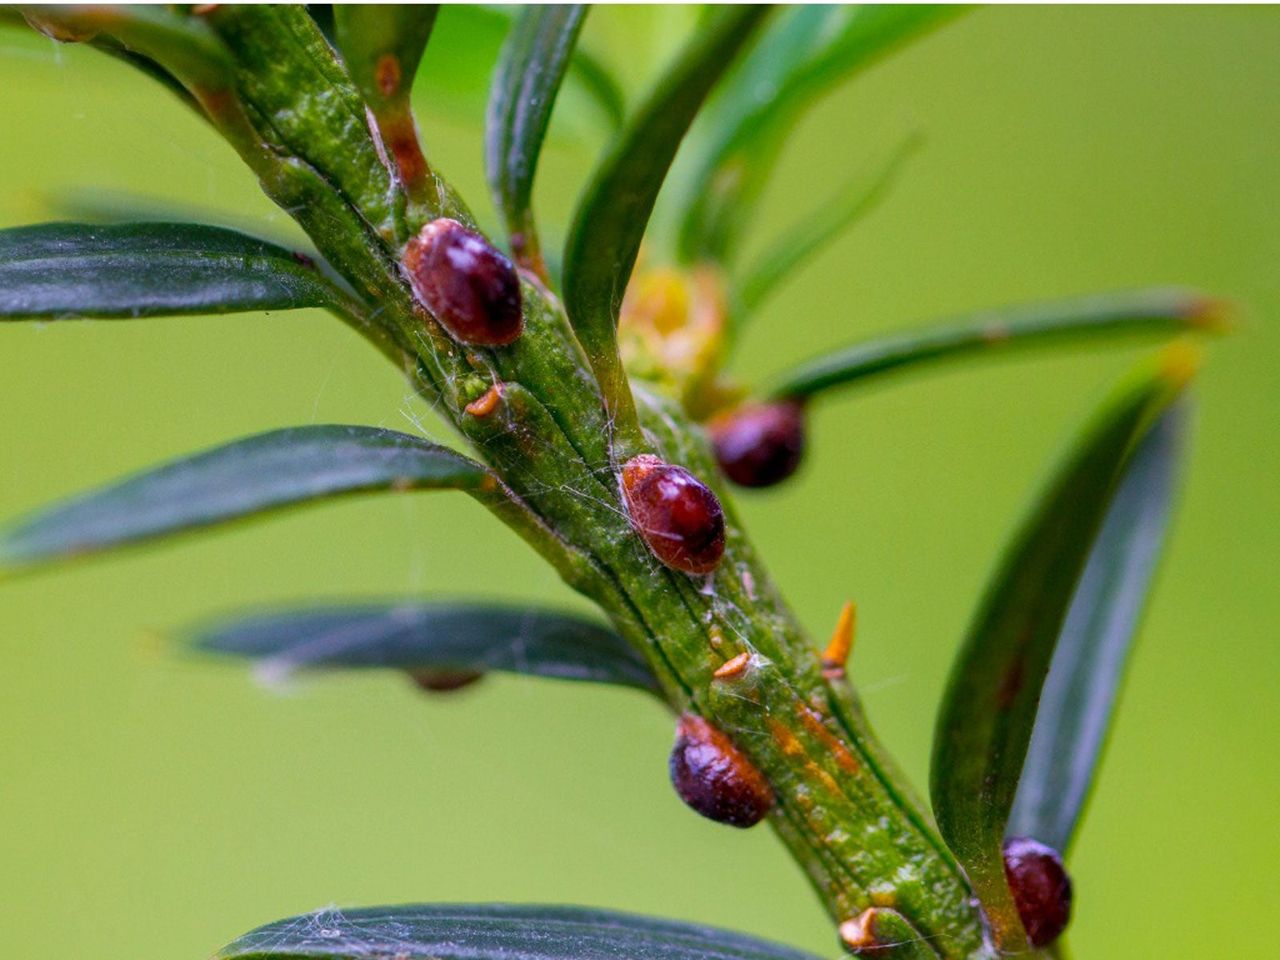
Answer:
[(715, 778), (675, 513), (444, 681), (759, 444), (1041, 888), (465, 283)]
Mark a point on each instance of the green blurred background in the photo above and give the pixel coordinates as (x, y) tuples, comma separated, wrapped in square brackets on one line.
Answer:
[(152, 807)]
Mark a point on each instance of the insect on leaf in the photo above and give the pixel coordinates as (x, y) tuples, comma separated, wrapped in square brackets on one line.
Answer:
[(420, 637), (985, 722), (1078, 700)]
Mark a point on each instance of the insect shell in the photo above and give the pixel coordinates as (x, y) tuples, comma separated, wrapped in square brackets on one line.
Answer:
[(465, 283), (759, 444), (675, 513), (443, 681), (1040, 886), (715, 778)]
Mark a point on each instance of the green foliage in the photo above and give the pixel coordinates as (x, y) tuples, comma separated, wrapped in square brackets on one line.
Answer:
[(367, 34), (422, 637), (382, 45), (856, 198), (460, 65), (494, 932), (1064, 322), (806, 50), (60, 271), (552, 418), (247, 477), (986, 719), (1089, 660), (611, 218), (525, 83)]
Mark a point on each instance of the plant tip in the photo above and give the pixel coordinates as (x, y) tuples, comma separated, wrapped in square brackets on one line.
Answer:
[(1212, 314)]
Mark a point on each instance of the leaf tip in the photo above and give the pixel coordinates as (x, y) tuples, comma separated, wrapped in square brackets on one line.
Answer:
[(1211, 314)]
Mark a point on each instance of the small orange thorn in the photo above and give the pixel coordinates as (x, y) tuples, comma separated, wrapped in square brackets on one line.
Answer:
[(865, 936), (484, 405), (731, 668), (858, 933), (836, 656)]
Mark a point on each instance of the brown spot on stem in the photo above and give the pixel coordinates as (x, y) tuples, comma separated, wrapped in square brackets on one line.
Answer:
[(1213, 314), (813, 723), (527, 254), (402, 140), (386, 74), (793, 748), (786, 739), (994, 333)]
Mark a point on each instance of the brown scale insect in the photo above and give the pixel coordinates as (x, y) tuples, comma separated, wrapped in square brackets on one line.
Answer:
[(465, 283), (715, 778), (759, 444), (676, 514), (443, 681), (1041, 888)]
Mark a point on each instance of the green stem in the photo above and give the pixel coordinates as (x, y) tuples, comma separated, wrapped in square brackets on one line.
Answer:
[(841, 809)]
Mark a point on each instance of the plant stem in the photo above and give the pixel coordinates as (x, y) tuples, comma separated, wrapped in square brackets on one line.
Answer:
[(842, 810)]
